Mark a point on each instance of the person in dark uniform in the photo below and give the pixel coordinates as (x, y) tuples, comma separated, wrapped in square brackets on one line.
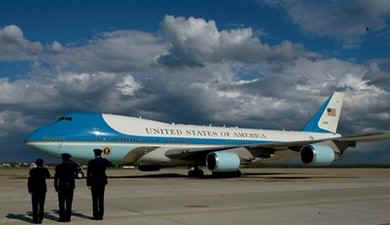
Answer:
[(97, 180), (64, 183), (37, 188)]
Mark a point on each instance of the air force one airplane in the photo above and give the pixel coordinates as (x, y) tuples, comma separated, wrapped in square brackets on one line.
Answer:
[(151, 145)]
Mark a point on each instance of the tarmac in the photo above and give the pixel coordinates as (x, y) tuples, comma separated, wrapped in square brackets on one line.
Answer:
[(261, 196)]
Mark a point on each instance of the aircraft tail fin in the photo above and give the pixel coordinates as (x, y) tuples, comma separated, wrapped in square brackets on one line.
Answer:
[(326, 119)]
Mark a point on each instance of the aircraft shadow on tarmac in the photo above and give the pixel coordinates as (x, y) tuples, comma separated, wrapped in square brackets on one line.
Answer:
[(207, 176), (165, 175), (160, 175), (268, 176), (290, 176)]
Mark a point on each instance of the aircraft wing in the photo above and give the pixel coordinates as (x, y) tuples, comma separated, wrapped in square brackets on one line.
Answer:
[(256, 149), (259, 150)]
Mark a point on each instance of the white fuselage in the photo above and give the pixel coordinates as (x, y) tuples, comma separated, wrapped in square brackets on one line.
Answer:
[(133, 140)]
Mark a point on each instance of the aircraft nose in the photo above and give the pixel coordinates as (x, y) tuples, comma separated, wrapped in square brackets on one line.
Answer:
[(41, 140)]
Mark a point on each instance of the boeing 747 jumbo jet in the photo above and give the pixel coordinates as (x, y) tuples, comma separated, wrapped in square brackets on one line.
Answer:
[(151, 145)]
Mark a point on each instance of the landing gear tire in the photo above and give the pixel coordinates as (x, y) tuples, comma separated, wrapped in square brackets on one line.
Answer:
[(195, 172)]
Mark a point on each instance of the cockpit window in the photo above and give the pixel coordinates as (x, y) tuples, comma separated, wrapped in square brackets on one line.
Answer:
[(64, 118)]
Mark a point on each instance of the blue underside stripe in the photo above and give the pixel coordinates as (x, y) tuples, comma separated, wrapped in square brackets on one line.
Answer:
[(176, 140)]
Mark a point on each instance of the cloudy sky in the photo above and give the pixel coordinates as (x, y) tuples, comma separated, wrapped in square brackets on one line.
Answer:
[(259, 64)]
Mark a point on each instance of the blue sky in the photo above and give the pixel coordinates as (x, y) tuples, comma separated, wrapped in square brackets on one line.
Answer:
[(74, 22), (242, 55)]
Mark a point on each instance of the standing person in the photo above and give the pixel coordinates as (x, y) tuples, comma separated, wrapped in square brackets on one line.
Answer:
[(64, 183), (37, 188), (97, 180)]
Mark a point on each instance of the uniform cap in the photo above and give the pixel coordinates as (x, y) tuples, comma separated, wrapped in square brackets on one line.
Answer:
[(97, 151), (66, 156), (39, 162)]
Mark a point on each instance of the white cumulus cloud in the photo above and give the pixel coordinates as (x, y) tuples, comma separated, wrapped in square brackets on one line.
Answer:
[(13, 45), (195, 41)]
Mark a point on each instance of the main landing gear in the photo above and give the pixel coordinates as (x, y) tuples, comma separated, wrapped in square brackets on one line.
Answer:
[(195, 172), (80, 173)]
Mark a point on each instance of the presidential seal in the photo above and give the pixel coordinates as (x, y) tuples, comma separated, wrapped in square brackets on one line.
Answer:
[(107, 151)]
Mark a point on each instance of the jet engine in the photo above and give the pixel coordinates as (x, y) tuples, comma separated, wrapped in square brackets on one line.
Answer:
[(223, 162), (317, 155)]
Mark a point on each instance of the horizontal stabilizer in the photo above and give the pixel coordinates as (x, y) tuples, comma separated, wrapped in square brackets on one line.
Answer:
[(366, 137)]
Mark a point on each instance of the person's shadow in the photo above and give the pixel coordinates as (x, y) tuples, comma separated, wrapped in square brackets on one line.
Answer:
[(74, 214), (27, 217), (22, 217), (81, 215)]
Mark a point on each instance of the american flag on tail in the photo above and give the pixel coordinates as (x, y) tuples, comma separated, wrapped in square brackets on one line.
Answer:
[(331, 111)]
